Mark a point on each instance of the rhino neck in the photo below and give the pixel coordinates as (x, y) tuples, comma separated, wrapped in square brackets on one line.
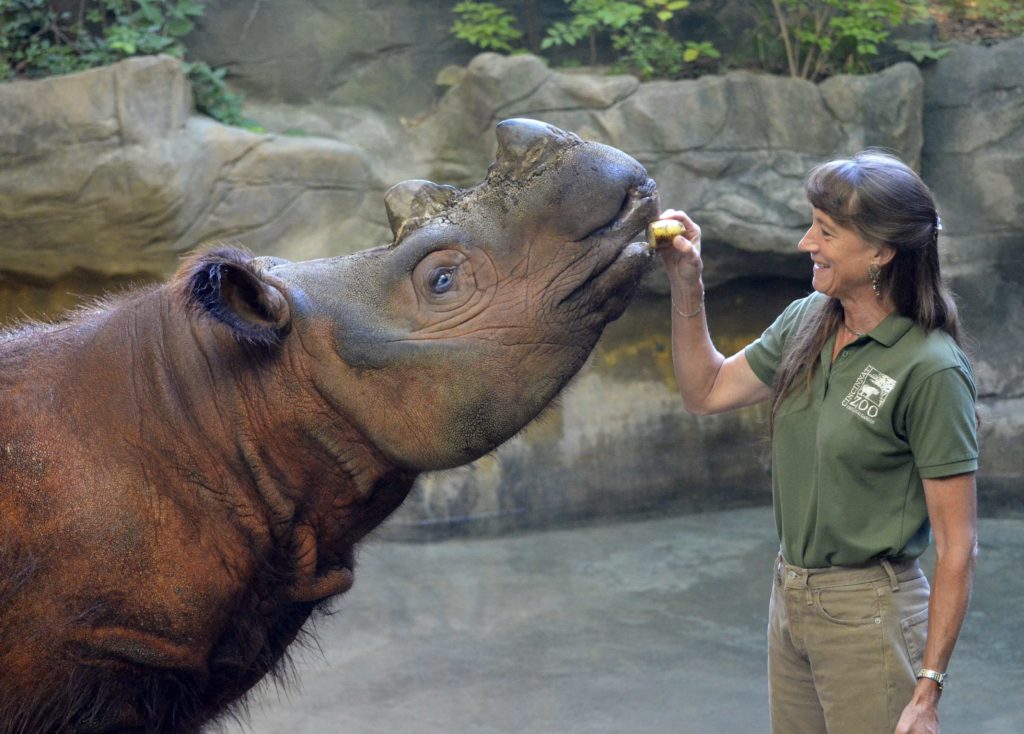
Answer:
[(305, 483), (316, 472)]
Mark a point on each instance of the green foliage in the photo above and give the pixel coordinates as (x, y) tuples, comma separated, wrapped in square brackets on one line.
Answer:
[(664, 10), (40, 38), (485, 25), (213, 97), (656, 53), (1005, 15), (649, 54), (921, 51), (1009, 14), (43, 37), (827, 36), (592, 19), (696, 51), (646, 51), (808, 39)]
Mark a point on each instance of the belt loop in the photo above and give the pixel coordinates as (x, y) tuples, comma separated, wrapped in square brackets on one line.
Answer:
[(891, 574)]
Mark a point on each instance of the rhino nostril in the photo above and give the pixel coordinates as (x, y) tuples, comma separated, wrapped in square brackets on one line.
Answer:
[(637, 199), (620, 214)]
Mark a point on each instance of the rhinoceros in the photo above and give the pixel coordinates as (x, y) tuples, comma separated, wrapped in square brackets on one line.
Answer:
[(186, 469)]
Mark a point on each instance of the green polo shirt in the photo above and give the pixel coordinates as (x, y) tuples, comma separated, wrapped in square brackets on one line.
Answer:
[(849, 453)]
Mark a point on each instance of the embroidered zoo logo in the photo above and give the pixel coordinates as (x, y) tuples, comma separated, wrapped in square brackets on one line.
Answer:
[(869, 393)]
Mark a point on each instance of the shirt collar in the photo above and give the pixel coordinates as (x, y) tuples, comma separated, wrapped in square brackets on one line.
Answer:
[(892, 329)]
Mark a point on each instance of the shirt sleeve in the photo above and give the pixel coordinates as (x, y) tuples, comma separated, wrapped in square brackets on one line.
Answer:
[(941, 424), (764, 354)]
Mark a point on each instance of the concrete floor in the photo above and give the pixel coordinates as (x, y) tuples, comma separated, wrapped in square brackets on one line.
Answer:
[(653, 626)]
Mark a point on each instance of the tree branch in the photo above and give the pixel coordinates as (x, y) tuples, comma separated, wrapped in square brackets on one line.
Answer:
[(784, 32)]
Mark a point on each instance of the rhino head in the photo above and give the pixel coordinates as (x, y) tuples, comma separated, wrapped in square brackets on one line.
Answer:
[(447, 341)]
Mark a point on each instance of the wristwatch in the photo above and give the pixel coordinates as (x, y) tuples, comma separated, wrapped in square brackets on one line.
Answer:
[(939, 678)]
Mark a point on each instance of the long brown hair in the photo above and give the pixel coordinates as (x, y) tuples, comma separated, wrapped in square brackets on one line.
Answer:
[(886, 203)]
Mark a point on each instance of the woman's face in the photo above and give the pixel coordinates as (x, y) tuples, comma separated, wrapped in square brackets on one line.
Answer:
[(841, 258)]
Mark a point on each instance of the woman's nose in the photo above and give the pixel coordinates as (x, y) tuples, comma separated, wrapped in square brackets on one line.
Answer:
[(806, 243)]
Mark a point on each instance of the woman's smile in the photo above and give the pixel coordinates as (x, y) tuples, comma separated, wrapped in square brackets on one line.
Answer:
[(840, 256)]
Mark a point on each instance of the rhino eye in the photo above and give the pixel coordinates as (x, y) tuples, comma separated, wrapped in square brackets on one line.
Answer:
[(442, 279)]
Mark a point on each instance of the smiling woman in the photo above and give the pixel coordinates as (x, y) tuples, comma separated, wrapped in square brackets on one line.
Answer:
[(874, 448), (880, 219), (847, 267)]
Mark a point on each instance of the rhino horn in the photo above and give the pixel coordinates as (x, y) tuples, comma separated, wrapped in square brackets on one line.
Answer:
[(415, 200), (524, 145)]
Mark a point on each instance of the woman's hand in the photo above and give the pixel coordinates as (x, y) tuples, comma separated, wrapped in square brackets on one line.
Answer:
[(919, 718), (682, 257)]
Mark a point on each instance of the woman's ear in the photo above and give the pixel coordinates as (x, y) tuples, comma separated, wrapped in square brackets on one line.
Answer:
[(883, 256)]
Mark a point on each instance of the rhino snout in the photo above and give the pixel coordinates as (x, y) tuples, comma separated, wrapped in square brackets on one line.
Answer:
[(639, 206)]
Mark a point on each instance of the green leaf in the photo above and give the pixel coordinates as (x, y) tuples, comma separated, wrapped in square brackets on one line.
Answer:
[(180, 27), (189, 7), (150, 12)]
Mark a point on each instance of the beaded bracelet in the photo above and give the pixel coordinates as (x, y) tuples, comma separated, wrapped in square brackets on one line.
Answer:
[(689, 315)]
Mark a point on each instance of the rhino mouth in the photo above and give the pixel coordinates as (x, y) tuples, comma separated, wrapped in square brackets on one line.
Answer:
[(616, 260)]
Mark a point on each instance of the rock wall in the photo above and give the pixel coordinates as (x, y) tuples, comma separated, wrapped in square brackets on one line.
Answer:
[(384, 56), (973, 158), (111, 176), (109, 172)]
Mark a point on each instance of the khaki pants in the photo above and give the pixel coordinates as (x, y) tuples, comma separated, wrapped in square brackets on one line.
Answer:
[(843, 646)]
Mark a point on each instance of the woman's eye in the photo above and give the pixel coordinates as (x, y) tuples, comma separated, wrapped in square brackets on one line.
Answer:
[(442, 279)]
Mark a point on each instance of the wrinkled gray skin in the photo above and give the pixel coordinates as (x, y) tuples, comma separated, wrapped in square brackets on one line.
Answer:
[(537, 267), (185, 471)]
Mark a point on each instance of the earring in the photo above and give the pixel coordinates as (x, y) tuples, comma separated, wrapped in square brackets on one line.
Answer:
[(874, 273)]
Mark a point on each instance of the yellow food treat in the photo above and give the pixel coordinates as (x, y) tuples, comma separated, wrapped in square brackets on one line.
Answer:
[(662, 232)]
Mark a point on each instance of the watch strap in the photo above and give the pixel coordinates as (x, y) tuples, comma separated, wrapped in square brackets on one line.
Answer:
[(939, 678)]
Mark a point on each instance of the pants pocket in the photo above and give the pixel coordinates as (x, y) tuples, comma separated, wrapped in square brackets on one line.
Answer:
[(915, 634), (851, 606)]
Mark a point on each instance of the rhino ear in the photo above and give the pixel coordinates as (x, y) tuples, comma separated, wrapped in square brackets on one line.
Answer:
[(415, 199), (226, 285)]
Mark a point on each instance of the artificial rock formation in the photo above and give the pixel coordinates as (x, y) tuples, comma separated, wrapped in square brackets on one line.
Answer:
[(123, 179), (973, 158), (108, 171)]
